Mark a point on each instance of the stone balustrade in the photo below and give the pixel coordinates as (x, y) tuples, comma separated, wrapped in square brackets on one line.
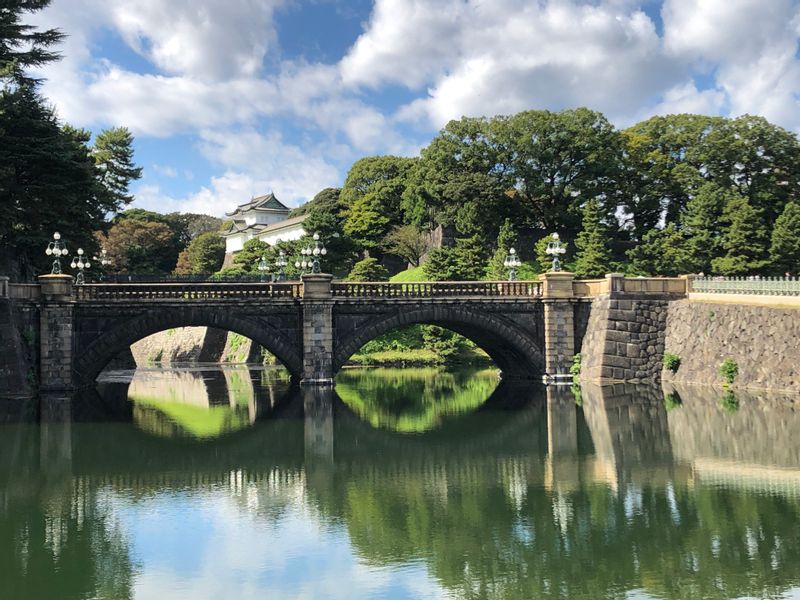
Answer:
[(436, 289)]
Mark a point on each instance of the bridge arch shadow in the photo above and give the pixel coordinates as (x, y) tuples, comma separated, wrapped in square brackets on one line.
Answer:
[(515, 351), (93, 357)]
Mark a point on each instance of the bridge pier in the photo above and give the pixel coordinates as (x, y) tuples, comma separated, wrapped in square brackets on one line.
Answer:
[(317, 330), (559, 326), (55, 333)]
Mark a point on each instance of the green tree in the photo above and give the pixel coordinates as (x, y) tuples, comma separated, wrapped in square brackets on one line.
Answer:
[(466, 261), (47, 183), (206, 252), (408, 242), (593, 258), (21, 45), (744, 239), (136, 246), (506, 239), (248, 257), (784, 251), (556, 161), (662, 252), (325, 201), (460, 171), (188, 226), (113, 155), (325, 216), (371, 198), (701, 225), (368, 269)]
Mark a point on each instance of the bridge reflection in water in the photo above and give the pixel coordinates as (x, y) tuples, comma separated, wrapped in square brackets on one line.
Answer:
[(527, 496)]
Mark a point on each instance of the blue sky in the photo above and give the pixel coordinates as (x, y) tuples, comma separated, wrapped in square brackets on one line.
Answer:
[(233, 98)]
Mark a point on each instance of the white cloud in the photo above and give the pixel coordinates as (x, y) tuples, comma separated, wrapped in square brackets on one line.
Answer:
[(749, 45), (686, 98), (513, 55)]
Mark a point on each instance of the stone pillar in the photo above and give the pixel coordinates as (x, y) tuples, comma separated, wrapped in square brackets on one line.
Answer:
[(616, 282), (4, 286), (55, 333), (689, 282), (559, 326), (317, 330)]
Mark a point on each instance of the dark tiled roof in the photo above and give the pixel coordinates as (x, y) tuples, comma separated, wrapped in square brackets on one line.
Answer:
[(260, 228), (265, 202)]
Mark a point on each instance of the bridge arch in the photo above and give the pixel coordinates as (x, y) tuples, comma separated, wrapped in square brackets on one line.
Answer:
[(118, 336), (515, 351)]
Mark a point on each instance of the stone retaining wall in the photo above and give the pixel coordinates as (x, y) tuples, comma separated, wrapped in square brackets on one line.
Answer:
[(180, 345), (624, 339), (763, 341)]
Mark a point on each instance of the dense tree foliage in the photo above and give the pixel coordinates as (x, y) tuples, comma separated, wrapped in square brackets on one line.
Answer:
[(371, 198), (205, 253), (593, 258), (368, 269), (139, 246), (51, 178)]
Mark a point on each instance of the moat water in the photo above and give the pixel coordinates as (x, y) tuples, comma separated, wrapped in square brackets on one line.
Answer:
[(415, 483)]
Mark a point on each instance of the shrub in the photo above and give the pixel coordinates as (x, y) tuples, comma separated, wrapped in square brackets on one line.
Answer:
[(729, 370), (671, 361), (672, 400), (729, 402), (575, 368), (368, 269)]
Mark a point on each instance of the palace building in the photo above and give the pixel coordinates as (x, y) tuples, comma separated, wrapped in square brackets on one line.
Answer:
[(264, 218)]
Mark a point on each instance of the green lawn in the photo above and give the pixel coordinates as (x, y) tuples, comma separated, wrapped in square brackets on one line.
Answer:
[(410, 275)]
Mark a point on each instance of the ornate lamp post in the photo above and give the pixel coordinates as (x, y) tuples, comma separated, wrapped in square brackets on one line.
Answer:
[(281, 263), (103, 260), (319, 250), (56, 248), (303, 263), (263, 268), (81, 264), (512, 263), (555, 248)]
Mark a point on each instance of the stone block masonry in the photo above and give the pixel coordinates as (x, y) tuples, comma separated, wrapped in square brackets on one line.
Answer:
[(763, 341), (624, 339)]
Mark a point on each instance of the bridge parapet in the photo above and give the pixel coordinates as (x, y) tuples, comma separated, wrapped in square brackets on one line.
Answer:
[(186, 291), (437, 289)]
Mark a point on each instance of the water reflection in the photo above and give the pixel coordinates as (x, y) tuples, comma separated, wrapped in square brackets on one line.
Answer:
[(200, 402), (528, 496), (413, 400)]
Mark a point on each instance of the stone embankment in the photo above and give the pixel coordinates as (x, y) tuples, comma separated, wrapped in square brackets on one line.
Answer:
[(763, 341), (195, 345)]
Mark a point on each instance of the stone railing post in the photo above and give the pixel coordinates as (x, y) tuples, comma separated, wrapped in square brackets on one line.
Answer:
[(689, 282), (55, 333), (615, 283), (4, 286), (559, 325), (317, 330)]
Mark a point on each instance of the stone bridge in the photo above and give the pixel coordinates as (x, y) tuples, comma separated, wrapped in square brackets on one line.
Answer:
[(530, 329)]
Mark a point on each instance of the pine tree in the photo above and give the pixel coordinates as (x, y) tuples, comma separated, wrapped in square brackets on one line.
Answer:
[(593, 258), (744, 239), (466, 261), (113, 155), (785, 249), (506, 239), (662, 252), (21, 45), (701, 226)]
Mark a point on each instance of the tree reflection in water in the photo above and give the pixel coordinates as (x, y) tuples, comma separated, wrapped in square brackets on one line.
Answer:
[(413, 400), (542, 500)]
